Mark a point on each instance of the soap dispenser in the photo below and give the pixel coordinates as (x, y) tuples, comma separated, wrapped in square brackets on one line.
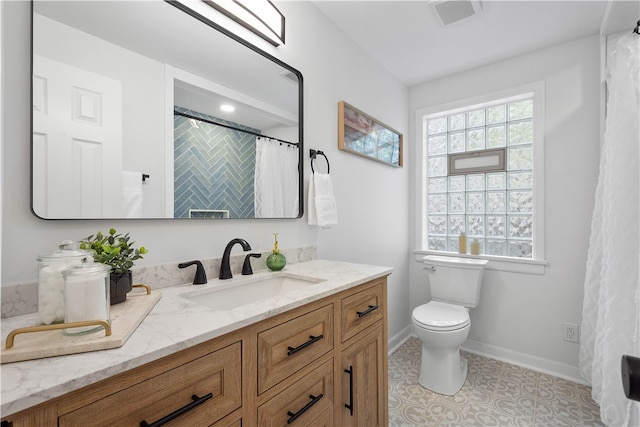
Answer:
[(276, 261)]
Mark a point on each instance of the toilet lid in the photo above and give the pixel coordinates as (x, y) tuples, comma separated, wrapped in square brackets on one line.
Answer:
[(441, 316)]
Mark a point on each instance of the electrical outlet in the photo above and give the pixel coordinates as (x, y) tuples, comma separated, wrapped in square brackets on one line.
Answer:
[(571, 332)]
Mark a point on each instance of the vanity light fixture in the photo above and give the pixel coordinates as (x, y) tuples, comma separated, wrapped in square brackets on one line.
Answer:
[(227, 108), (258, 16)]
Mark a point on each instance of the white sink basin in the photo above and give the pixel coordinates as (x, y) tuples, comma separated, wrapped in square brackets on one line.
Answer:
[(238, 293)]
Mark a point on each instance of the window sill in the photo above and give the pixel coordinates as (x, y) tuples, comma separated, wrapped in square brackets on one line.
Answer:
[(512, 265)]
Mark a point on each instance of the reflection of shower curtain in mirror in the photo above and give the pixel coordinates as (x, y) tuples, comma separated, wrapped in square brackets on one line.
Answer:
[(611, 311), (276, 179)]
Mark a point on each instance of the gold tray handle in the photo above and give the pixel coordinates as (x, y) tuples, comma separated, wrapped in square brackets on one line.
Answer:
[(142, 285), (40, 328)]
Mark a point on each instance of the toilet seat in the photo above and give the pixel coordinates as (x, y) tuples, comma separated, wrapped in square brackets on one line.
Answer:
[(440, 316)]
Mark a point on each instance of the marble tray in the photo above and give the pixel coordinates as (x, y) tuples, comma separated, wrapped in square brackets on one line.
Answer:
[(125, 318)]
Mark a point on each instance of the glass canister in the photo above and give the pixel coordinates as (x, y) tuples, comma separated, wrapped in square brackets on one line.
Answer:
[(86, 296), (51, 282)]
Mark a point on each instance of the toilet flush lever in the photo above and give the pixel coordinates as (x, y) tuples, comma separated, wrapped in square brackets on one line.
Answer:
[(430, 268)]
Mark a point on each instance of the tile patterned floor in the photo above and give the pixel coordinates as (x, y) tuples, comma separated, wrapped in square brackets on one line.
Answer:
[(495, 394)]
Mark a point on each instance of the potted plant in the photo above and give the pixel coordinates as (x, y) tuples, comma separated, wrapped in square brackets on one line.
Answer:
[(116, 251)]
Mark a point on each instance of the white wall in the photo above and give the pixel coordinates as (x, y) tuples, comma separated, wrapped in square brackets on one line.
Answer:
[(372, 199), (520, 316)]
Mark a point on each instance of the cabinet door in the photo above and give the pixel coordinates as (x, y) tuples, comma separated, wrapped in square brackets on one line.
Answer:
[(363, 377), (187, 386)]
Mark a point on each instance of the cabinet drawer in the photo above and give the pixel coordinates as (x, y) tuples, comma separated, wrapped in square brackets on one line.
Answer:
[(218, 373), (302, 404), (361, 310), (285, 348)]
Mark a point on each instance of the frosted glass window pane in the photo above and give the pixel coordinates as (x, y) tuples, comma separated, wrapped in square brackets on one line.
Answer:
[(437, 166), (475, 225), (456, 202), (476, 118), (496, 225), (520, 227), (437, 243), (475, 202), (437, 203), (497, 114), (496, 137), (520, 249), (456, 121), (520, 180), (496, 181), (521, 133), (456, 225), (437, 185), (456, 183), (520, 158), (475, 139), (475, 182), (521, 109), (496, 202), (454, 244), (495, 247), (437, 225), (456, 142), (520, 201), (437, 145), (438, 125)]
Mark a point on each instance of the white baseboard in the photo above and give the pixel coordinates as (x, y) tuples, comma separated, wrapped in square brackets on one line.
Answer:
[(538, 364), (528, 361), (400, 338)]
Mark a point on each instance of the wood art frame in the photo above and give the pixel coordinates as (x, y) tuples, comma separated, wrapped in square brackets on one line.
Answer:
[(363, 135)]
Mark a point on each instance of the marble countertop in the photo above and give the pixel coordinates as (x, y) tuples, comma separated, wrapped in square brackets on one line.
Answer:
[(174, 324)]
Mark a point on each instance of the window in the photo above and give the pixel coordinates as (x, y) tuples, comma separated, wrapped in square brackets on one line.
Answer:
[(494, 203)]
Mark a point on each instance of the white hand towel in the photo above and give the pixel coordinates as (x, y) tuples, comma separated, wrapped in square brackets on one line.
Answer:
[(323, 211), (132, 194)]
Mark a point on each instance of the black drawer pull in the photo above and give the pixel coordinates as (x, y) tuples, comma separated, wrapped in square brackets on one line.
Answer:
[(367, 311), (314, 400), (175, 414), (349, 405), (312, 339)]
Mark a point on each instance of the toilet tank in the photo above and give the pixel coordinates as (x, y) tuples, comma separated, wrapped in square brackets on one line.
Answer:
[(455, 280)]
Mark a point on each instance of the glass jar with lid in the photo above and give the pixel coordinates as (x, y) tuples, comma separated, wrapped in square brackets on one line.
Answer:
[(51, 307), (86, 296)]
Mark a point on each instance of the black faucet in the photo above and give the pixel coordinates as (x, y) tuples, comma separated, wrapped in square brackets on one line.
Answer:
[(201, 277), (225, 267)]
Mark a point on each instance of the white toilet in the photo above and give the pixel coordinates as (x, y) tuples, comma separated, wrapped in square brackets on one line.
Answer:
[(443, 323)]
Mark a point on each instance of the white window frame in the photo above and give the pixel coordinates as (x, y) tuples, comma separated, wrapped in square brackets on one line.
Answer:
[(534, 265)]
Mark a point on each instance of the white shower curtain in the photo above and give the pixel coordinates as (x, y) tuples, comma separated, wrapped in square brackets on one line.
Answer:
[(611, 310), (276, 179)]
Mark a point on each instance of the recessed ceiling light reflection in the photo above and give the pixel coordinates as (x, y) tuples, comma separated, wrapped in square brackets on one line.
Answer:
[(227, 108)]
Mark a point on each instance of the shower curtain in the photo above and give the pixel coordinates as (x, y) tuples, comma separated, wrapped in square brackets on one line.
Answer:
[(611, 310), (276, 179)]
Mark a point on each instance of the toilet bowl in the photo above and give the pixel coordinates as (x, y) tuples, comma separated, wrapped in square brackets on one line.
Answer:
[(442, 328), (443, 323)]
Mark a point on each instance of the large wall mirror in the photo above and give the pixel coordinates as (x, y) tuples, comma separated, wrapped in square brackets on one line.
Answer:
[(129, 116)]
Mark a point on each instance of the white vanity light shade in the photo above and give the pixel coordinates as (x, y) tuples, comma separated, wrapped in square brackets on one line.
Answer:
[(259, 16)]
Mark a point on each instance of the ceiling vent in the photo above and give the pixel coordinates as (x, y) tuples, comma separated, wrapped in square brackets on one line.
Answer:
[(448, 12)]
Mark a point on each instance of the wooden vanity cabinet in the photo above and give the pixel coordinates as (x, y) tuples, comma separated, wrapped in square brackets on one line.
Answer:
[(362, 361), (321, 364)]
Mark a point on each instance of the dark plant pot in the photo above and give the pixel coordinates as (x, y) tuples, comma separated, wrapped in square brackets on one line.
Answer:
[(120, 286)]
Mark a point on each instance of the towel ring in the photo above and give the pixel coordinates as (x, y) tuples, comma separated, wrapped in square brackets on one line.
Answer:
[(313, 153)]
